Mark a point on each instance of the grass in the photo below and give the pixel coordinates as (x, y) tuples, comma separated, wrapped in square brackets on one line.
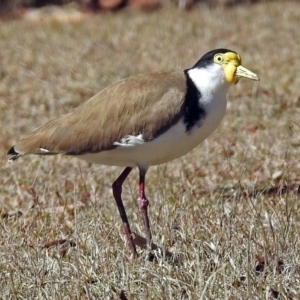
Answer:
[(229, 209)]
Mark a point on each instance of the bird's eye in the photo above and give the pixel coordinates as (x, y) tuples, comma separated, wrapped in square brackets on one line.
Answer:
[(218, 58)]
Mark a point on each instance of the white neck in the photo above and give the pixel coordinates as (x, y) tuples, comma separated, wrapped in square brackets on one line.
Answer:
[(210, 81), (213, 86)]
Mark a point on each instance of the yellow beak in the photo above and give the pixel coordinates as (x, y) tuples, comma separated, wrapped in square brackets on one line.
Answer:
[(243, 72)]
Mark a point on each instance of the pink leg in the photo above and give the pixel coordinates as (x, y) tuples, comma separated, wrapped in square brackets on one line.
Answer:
[(117, 192), (143, 206)]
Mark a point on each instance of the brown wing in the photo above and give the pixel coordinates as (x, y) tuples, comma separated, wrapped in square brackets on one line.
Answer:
[(146, 104)]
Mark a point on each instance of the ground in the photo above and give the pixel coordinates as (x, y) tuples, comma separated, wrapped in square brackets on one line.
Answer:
[(229, 211)]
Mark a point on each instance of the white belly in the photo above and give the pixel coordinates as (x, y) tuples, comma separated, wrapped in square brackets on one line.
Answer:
[(172, 144)]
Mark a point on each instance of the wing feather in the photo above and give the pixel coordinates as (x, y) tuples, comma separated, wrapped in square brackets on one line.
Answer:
[(146, 104)]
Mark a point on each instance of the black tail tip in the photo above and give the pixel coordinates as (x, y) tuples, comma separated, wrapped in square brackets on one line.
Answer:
[(13, 153)]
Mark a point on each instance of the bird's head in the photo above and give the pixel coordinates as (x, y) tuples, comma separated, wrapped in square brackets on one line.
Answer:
[(231, 63)]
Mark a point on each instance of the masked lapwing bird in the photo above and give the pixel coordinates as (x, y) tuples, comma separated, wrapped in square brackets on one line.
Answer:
[(142, 121)]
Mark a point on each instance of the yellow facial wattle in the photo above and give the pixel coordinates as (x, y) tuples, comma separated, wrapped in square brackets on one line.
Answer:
[(231, 63), (229, 70)]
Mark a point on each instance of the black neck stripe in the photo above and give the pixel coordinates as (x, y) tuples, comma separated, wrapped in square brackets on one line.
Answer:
[(193, 111)]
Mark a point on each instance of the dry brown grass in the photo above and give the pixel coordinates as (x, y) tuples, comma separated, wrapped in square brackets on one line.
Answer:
[(230, 208)]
